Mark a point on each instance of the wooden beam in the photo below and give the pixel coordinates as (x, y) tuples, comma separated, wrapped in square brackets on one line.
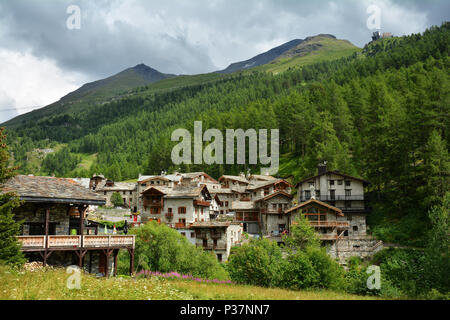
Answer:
[(116, 253), (131, 252)]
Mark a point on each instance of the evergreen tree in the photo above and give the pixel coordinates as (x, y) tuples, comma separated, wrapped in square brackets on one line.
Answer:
[(10, 253)]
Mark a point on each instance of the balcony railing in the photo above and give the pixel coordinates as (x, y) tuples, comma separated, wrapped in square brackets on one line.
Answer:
[(329, 224), (75, 242), (169, 215), (201, 203), (334, 198), (212, 247), (272, 211)]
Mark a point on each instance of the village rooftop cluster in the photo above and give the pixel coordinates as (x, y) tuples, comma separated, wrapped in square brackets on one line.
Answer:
[(216, 215)]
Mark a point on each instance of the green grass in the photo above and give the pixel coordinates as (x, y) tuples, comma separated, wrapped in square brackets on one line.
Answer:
[(51, 284), (87, 160), (316, 50)]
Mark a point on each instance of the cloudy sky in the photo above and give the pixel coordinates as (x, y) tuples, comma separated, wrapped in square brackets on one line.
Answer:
[(41, 59)]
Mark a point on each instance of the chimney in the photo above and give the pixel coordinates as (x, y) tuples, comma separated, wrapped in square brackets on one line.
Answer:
[(322, 168)]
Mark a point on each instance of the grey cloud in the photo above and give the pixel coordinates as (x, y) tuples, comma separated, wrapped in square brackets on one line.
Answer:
[(193, 37)]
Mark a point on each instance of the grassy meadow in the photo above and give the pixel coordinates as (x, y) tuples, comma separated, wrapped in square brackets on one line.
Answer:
[(51, 284)]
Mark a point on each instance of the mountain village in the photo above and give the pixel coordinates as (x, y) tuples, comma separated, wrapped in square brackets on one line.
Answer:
[(61, 216)]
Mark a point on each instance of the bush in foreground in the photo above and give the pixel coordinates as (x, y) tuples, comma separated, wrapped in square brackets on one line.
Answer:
[(160, 248)]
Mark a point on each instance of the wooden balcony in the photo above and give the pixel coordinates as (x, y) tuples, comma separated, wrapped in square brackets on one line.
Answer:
[(39, 243), (329, 224), (272, 211), (201, 203), (180, 226), (212, 247)]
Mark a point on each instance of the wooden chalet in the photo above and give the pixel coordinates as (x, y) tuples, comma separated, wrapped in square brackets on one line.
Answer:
[(328, 221), (55, 224)]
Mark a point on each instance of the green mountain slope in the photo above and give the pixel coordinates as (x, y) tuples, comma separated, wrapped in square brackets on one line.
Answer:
[(312, 50), (97, 92)]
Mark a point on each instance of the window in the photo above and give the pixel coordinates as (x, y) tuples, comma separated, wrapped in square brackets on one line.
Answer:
[(153, 182), (348, 183), (307, 194), (348, 193), (131, 193), (355, 228), (183, 234), (280, 217), (219, 257), (192, 234), (215, 243), (205, 243), (104, 193), (226, 203), (340, 182), (169, 210), (182, 210), (331, 182), (332, 195)]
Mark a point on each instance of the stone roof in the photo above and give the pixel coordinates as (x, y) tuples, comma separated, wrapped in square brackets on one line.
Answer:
[(49, 189), (323, 204), (169, 177), (336, 172), (235, 178), (243, 205), (118, 186), (221, 191), (262, 177), (262, 184), (184, 192), (83, 181)]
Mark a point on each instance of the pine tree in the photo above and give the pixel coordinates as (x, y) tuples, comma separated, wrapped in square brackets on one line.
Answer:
[(10, 253)]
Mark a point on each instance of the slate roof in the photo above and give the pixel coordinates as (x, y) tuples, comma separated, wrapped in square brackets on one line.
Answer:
[(323, 204), (49, 189), (261, 184), (118, 186), (338, 173), (235, 178), (243, 205)]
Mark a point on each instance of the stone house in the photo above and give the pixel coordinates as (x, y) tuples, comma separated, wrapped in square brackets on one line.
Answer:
[(341, 191), (333, 227), (55, 227), (177, 207), (217, 237), (127, 190), (274, 222)]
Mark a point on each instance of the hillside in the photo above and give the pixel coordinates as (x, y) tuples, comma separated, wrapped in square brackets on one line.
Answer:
[(381, 114), (262, 58), (296, 53), (312, 50), (99, 91)]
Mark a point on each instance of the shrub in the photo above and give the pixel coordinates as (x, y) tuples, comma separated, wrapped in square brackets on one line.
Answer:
[(160, 248), (117, 200), (256, 263)]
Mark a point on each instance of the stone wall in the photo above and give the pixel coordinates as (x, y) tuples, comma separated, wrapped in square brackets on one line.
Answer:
[(34, 213), (362, 247)]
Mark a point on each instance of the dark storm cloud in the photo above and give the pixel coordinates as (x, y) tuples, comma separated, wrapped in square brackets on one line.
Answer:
[(194, 36)]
